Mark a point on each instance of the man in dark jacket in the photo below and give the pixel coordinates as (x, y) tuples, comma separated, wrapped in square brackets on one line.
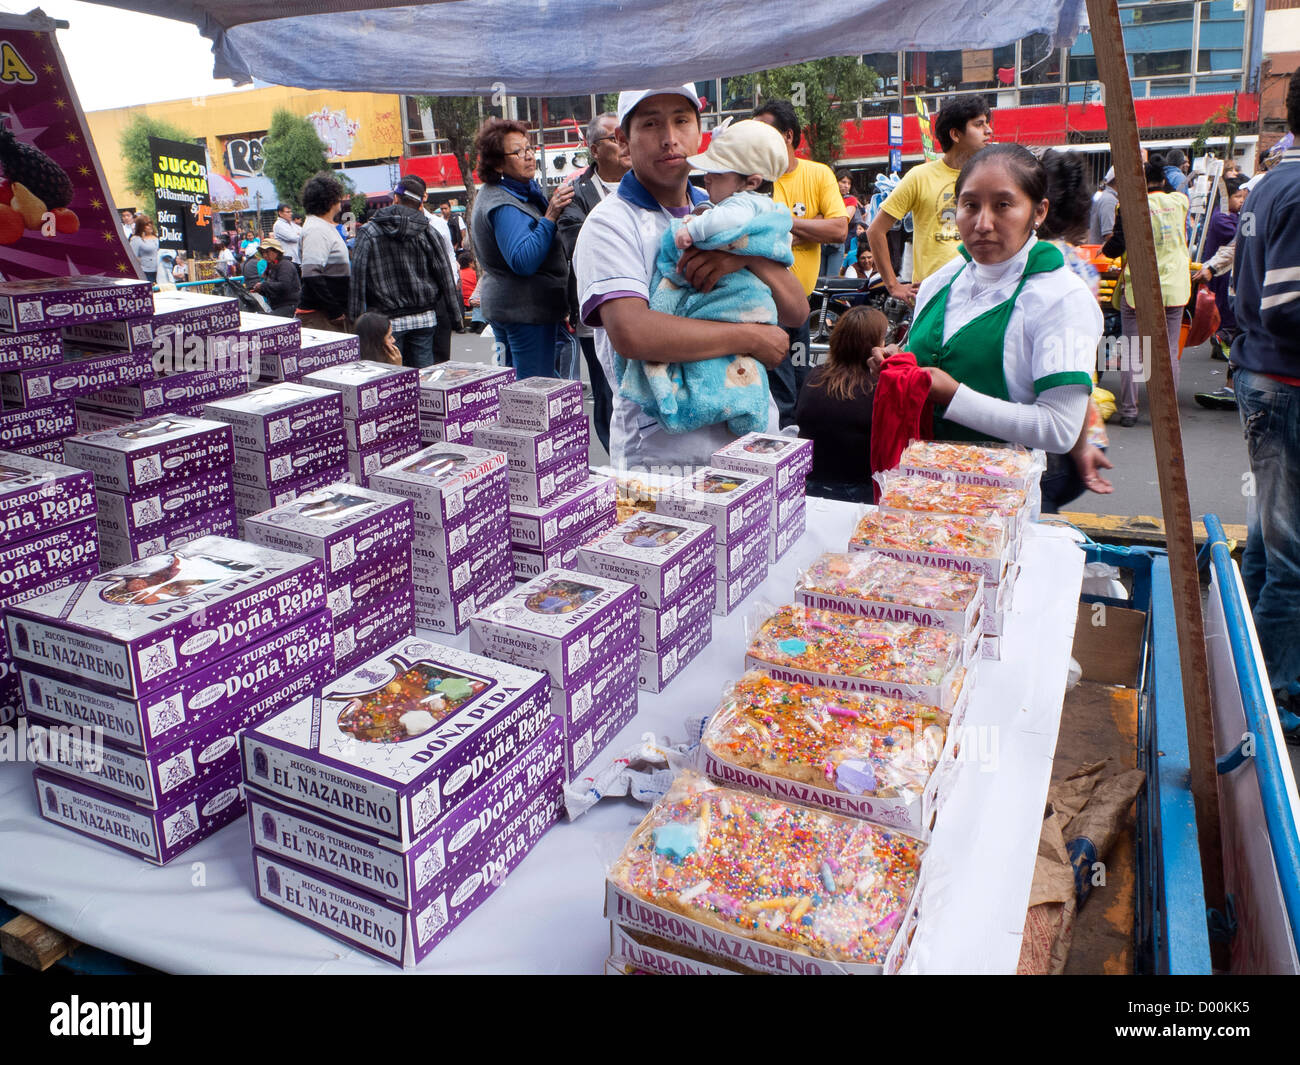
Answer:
[(609, 162), (402, 271)]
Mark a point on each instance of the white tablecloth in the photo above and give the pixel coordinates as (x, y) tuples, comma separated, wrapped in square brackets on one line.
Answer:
[(199, 915)]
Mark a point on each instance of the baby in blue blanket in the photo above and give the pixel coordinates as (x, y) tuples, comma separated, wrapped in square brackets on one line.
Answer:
[(732, 389)]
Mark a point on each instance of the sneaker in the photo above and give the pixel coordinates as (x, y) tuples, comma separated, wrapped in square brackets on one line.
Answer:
[(1220, 399), (1128, 420), (1286, 705)]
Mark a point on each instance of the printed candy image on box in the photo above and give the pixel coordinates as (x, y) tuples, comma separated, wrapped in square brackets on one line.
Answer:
[(149, 454), (785, 459), (391, 423), (547, 484), (48, 303), (538, 528), (138, 627), (655, 553), (136, 516), (281, 830), (19, 351), (368, 386), (364, 464), (285, 665), (36, 495), (119, 550), (560, 622), (183, 313), (730, 502), (444, 481), (530, 451), (157, 836), (452, 388), (318, 349), (83, 372), (291, 461), (540, 403), (405, 936), (390, 744), (278, 416), (342, 524), (21, 428)]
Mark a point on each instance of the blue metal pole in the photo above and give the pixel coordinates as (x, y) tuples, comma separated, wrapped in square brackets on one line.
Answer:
[(1282, 836)]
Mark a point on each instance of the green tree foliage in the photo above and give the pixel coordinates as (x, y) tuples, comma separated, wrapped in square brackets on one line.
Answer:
[(134, 145), (824, 93), (292, 153), (456, 120), (356, 200), (1226, 117)]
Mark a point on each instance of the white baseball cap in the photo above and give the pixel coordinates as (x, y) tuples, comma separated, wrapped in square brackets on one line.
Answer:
[(745, 147), (627, 101)]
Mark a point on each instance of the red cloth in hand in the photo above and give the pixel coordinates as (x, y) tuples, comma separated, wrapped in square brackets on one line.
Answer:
[(900, 413)]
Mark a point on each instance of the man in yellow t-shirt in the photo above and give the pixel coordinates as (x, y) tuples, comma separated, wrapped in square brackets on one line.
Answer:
[(811, 192), (927, 191)]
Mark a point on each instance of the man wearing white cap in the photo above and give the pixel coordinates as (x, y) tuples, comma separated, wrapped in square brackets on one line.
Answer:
[(1101, 221), (615, 259)]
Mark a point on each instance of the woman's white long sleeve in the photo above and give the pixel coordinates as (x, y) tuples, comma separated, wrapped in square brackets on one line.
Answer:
[(1052, 422)]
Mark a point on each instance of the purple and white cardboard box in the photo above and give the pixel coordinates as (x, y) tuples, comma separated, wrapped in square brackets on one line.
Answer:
[(653, 552), (530, 451), (960, 622), (658, 668), (149, 454), (267, 334), (122, 335), (390, 763), (285, 665), (137, 628), (368, 461), (540, 403), (388, 424), (185, 313), (48, 303), (440, 610), (93, 420), (46, 556), (733, 590), (368, 386), (530, 564), (170, 394), (8, 668), (49, 450), (787, 536), (660, 624), (450, 388), (456, 428), (18, 351), (538, 528), (378, 625), (318, 348), (397, 934), (375, 579), (36, 495), (472, 572), (157, 836), (588, 735), (785, 459), (560, 622), (740, 555), (251, 500), (119, 550), (544, 486), (341, 524), (593, 694), (20, 428), (278, 416), (270, 470), (787, 505), (88, 372), (628, 955), (365, 860), (445, 481), (136, 516), (443, 549), (730, 502)]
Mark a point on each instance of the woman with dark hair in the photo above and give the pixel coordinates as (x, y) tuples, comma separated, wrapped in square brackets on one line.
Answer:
[(326, 266), (1007, 332), (375, 332), (834, 408), (144, 246), (524, 272)]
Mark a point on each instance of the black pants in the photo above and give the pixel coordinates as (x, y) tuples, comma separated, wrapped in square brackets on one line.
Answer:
[(602, 396), (788, 378), (1060, 483), (442, 340)]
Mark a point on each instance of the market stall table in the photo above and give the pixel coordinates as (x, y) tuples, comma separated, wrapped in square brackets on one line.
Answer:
[(200, 915)]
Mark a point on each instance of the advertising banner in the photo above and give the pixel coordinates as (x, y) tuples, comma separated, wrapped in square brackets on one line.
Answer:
[(180, 188)]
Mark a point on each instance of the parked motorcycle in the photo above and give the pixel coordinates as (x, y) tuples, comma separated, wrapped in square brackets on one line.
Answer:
[(835, 295)]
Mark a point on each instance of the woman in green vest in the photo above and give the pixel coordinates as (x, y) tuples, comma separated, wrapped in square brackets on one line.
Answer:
[(1007, 331)]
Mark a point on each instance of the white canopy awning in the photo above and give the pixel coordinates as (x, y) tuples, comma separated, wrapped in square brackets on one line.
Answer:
[(566, 47)]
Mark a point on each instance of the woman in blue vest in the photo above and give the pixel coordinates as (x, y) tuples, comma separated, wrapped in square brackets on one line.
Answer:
[(1007, 331), (524, 284)]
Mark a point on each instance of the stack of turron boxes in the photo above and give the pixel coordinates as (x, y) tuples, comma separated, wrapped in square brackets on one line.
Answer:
[(141, 678), (457, 397), (316, 349), (462, 511), (381, 412), (43, 373), (363, 539), (288, 439), (786, 460), (47, 539), (160, 483), (386, 811), (543, 538)]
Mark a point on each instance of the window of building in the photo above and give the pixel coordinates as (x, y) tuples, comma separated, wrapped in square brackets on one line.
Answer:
[(736, 97), (1040, 63), (1170, 87), (1222, 36), (885, 100), (1038, 97)]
